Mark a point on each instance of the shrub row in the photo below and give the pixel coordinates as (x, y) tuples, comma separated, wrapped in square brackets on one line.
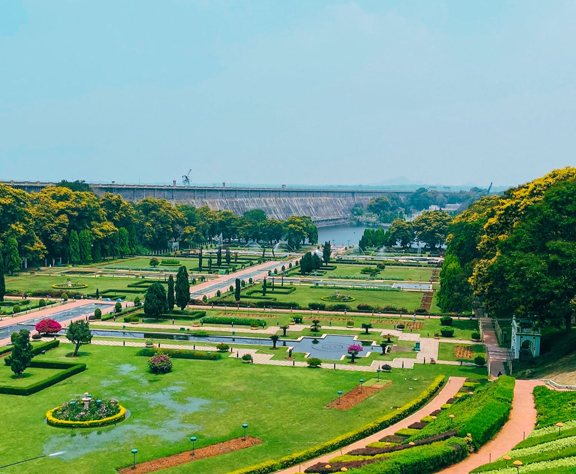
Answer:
[(187, 316), (236, 321), (68, 370), (348, 438), (121, 415), (181, 354)]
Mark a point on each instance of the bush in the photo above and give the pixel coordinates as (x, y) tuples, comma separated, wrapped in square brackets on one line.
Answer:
[(97, 313), (236, 321), (446, 321), (160, 364), (218, 293), (350, 324), (447, 332), (48, 327), (137, 301), (317, 306), (247, 357), (314, 362), (298, 319), (476, 336), (42, 303), (181, 354), (64, 296), (131, 319), (480, 360), (364, 307), (16, 308), (118, 307), (222, 347), (420, 311)]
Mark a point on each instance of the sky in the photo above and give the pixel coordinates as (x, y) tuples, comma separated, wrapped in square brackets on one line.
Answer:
[(296, 92)]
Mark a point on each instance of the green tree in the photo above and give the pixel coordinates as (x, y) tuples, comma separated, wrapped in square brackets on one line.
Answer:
[(21, 352), (2, 279), (159, 222), (431, 227), (85, 246), (264, 287), (123, 242), (12, 259), (200, 261), (170, 294), (366, 327), (155, 304), (219, 257), (455, 294), (274, 338), (154, 262), (78, 333), (237, 289), (326, 252), (209, 263), (228, 257), (182, 288), (74, 247), (400, 232)]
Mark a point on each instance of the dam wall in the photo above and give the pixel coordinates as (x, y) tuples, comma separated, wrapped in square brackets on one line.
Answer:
[(324, 206)]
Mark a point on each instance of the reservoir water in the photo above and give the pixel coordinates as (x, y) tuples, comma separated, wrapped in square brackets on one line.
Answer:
[(341, 235)]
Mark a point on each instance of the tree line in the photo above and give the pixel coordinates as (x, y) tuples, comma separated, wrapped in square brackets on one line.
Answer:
[(430, 227), (80, 227), (516, 253)]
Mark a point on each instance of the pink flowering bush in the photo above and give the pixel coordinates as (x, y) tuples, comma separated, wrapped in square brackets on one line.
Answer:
[(75, 410), (48, 326), (160, 364), (354, 350)]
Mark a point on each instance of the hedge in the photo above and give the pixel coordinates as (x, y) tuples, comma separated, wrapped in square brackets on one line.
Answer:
[(236, 321), (188, 316), (70, 369), (421, 459), (348, 438), (120, 416), (181, 354), (36, 349)]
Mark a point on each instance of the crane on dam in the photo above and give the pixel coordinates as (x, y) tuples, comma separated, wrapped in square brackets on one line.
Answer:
[(186, 178)]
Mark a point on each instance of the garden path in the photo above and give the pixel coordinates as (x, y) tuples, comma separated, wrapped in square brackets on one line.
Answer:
[(496, 355), (520, 424), (449, 390)]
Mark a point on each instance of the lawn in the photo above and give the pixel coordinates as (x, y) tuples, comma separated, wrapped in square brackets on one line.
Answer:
[(208, 399), (396, 273), (30, 377), (305, 294), (447, 351)]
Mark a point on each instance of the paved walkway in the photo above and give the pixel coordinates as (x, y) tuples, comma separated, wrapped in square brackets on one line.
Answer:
[(496, 355), (449, 390), (520, 424)]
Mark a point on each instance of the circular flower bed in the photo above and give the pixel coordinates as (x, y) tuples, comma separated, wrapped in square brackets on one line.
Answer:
[(86, 413), (71, 286), (338, 298), (160, 364)]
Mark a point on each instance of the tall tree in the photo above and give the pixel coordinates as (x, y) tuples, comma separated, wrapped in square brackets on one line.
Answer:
[(264, 287), (455, 294), (123, 242), (228, 257), (219, 257), (170, 294), (78, 333), (327, 252), (85, 246), (74, 247), (21, 352), (200, 261), (155, 304), (431, 227), (2, 279), (12, 259), (182, 288), (237, 289)]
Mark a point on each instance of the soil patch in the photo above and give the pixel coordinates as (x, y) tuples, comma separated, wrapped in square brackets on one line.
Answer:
[(356, 395), (186, 457), (413, 325), (464, 352)]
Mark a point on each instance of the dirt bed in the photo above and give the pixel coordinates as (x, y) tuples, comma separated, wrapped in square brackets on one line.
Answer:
[(355, 396)]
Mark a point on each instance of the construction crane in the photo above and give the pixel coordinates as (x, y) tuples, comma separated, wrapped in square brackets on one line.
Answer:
[(186, 178)]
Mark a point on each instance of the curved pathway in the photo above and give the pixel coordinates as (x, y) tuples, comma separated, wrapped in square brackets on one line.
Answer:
[(520, 424), (449, 390)]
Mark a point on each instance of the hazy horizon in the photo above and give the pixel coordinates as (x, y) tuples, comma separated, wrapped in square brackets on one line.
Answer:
[(324, 93)]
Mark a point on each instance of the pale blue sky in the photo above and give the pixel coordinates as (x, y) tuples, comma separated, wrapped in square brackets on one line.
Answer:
[(310, 92)]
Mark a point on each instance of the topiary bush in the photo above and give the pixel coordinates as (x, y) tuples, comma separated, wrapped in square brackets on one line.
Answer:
[(160, 364), (42, 303), (48, 327), (314, 362), (480, 360), (118, 307), (447, 332), (476, 336), (222, 347), (446, 321), (97, 313), (16, 308)]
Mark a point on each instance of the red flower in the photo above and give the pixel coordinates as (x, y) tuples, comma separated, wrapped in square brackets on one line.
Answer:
[(48, 326)]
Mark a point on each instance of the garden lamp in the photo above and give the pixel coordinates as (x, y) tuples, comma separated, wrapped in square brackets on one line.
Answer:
[(378, 372), (339, 395), (245, 426), (361, 382), (518, 463), (434, 418), (506, 458), (559, 425), (134, 452), (193, 439), (451, 418)]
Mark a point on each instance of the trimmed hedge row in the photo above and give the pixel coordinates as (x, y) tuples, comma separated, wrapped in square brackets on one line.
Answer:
[(111, 420), (348, 438), (69, 370), (236, 321), (36, 349), (181, 354)]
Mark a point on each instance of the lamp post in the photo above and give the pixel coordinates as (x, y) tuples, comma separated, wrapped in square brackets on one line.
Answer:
[(339, 395), (559, 425), (193, 439), (361, 382), (506, 458), (518, 463), (245, 426), (378, 372), (451, 418), (434, 418), (134, 452)]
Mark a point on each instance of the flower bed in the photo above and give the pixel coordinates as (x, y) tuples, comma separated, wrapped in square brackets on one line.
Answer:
[(91, 414), (71, 286)]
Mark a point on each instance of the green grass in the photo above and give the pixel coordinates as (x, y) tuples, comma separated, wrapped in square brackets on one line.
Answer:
[(394, 273), (30, 377), (208, 399), (446, 351)]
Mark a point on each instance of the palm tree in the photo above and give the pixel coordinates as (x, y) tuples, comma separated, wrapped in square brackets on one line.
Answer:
[(366, 327), (274, 338)]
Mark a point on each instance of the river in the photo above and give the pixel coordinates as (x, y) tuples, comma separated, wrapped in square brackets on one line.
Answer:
[(341, 234)]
